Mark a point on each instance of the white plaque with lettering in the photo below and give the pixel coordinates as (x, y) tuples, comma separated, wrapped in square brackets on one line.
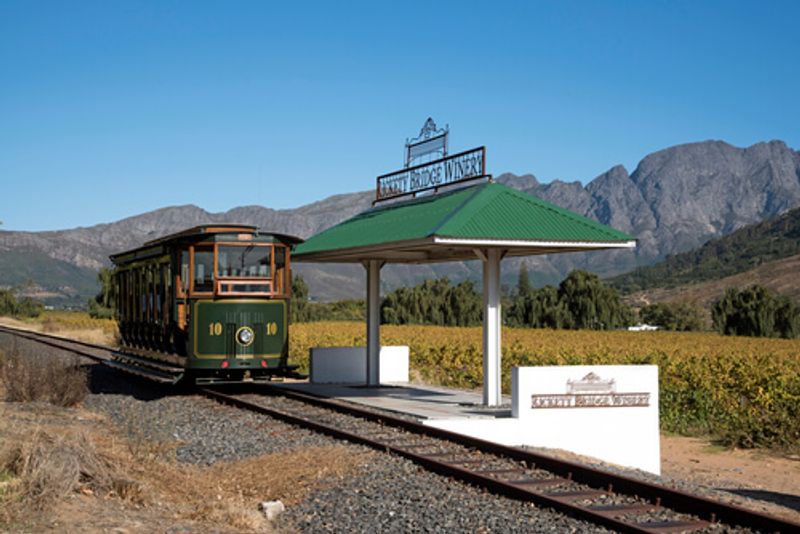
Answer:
[(605, 411)]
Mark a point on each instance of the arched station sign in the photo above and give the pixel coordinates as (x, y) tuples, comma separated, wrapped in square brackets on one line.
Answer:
[(447, 170)]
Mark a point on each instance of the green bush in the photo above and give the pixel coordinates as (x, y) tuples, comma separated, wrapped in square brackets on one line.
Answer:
[(97, 311), (24, 307)]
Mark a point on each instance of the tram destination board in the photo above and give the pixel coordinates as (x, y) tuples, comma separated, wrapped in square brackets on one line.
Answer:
[(461, 167)]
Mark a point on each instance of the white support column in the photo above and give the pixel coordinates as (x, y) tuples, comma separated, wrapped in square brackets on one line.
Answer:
[(492, 322), (373, 321)]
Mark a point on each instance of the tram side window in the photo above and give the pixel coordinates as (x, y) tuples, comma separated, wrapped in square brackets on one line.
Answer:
[(204, 269)]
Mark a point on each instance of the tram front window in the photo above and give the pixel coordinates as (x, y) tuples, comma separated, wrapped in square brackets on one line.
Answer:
[(244, 261), (204, 269)]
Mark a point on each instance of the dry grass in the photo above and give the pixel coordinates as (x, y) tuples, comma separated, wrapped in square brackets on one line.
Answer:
[(57, 459), (96, 336), (35, 376), (47, 467), (79, 326), (71, 325)]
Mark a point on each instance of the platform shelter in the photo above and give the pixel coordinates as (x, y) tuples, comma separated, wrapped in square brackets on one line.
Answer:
[(487, 221)]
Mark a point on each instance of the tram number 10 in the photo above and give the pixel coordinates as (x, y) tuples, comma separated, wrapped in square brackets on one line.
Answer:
[(215, 329)]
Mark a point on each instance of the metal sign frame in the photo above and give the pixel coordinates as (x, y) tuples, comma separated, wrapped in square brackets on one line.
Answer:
[(430, 140)]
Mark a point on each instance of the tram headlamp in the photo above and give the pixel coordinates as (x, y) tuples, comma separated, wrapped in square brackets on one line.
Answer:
[(245, 335)]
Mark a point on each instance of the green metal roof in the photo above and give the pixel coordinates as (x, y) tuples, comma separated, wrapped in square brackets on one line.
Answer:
[(449, 226)]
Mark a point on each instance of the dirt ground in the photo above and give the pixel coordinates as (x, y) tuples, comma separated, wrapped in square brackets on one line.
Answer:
[(70, 470), (771, 479)]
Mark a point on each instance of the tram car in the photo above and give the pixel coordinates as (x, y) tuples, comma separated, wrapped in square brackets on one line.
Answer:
[(206, 305)]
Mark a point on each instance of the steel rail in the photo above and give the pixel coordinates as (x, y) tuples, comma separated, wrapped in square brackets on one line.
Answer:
[(50, 339), (437, 466), (677, 500), (660, 496)]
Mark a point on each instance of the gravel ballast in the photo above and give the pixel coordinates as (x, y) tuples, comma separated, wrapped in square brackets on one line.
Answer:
[(390, 494)]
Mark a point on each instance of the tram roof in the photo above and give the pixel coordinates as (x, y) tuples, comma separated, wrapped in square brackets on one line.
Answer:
[(205, 230), (453, 225)]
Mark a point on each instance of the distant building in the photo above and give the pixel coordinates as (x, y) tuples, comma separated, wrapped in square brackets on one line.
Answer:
[(643, 328)]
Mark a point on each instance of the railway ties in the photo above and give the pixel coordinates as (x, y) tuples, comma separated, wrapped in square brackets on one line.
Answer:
[(132, 363), (620, 503), (517, 475)]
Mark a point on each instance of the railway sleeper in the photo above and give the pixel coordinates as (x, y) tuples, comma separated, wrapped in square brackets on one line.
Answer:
[(665, 527)]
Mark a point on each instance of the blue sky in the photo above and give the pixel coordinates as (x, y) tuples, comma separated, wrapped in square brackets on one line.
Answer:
[(110, 109)]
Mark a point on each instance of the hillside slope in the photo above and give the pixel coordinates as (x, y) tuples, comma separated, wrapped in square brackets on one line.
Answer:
[(780, 276), (738, 252)]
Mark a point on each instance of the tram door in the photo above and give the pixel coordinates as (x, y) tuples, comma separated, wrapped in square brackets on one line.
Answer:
[(182, 279)]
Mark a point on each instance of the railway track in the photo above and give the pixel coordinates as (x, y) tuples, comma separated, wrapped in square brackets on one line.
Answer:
[(617, 502)]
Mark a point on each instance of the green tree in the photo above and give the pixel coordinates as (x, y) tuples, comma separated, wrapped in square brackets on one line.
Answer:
[(298, 307), (23, 307), (524, 282), (8, 303), (103, 304), (787, 318), (591, 303), (433, 302), (28, 307), (465, 306), (682, 317), (755, 311)]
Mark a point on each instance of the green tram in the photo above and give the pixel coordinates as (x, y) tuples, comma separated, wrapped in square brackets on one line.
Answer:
[(209, 304)]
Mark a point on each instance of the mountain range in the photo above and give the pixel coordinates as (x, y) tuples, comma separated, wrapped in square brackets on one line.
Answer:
[(675, 200)]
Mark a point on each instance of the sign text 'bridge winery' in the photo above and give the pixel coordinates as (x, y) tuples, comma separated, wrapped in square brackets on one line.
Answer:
[(467, 165)]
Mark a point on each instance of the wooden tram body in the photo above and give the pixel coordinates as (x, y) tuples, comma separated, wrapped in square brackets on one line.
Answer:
[(212, 301)]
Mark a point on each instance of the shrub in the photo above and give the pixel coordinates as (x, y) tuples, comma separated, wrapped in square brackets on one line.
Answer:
[(34, 376), (24, 307), (97, 311), (27, 307)]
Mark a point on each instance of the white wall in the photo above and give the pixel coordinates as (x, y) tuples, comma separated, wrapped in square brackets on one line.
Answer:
[(348, 365), (627, 436)]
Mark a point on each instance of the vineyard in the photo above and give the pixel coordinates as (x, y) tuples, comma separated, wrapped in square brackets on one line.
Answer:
[(744, 391)]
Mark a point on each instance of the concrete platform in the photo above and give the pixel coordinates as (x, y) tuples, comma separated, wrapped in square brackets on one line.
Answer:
[(462, 412), (421, 402)]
